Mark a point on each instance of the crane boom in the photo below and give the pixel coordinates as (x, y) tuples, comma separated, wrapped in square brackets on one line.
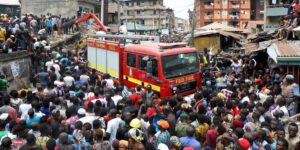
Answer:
[(84, 18)]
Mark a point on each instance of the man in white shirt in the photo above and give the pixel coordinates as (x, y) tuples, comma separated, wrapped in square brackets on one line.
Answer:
[(84, 77), (57, 69), (112, 126), (69, 80), (23, 109), (49, 64), (116, 98), (36, 44)]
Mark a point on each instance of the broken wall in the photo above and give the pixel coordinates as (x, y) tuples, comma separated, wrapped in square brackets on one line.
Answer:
[(66, 8), (16, 67)]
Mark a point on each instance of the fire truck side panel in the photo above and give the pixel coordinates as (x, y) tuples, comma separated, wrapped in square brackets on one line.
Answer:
[(113, 63), (92, 57), (101, 60), (104, 56)]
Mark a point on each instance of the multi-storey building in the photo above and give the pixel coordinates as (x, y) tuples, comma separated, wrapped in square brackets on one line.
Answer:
[(273, 12), (150, 13), (234, 13), (257, 10)]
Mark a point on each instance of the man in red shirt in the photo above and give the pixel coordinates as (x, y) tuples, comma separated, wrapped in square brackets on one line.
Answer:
[(296, 7), (135, 97), (211, 136)]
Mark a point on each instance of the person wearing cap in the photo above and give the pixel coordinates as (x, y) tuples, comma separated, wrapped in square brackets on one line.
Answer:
[(164, 135), (189, 140), (180, 128), (290, 91), (244, 144)]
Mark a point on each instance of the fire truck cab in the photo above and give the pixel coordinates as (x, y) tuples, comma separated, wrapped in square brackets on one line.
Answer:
[(168, 68)]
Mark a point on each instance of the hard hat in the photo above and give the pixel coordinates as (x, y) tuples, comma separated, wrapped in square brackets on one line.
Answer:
[(45, 42), (2, 15), (135, 123), (12, 36), (28, 14), (47, 17)]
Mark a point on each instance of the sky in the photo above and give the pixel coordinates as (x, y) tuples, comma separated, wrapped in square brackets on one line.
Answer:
[(180, 7)]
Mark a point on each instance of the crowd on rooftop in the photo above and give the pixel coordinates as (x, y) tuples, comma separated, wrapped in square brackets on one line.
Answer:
[(289, 22)]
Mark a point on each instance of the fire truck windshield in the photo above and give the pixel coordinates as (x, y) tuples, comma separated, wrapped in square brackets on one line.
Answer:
[(179, 65)]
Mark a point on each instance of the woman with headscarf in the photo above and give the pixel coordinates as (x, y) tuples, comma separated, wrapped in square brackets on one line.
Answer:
[(135, 139), (175, 143), (164, 135)]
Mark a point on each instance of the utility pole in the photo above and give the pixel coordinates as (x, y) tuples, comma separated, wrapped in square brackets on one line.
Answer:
[(134, 22), (102, 11), (119, 22), (194, 23), (159, 20)]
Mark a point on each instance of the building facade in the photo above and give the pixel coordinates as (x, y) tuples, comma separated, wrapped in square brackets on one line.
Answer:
[(257, 10), (150, 13), (234, 13), (65, 8), (181, 25), (11, 8)]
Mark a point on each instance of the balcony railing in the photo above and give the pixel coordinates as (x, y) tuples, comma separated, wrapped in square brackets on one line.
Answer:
[(234, 17), (235, 6), (277, 5)]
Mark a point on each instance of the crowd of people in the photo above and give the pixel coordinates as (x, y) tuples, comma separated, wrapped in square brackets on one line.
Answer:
[(21, 33), (243, 106)]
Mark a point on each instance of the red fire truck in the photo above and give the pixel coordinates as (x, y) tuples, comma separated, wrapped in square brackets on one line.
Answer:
[(168, 68)]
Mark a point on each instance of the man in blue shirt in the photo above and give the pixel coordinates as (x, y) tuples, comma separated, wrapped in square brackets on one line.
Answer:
[(189, 140)]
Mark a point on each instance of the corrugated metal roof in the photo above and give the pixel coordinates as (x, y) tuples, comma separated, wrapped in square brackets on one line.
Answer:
[(233, 35), (250, 47), (251, 36), (203, 33), (9, 2), (287, 48), (216, 25)]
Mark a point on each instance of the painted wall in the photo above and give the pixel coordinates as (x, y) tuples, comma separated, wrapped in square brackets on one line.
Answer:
[(212, 42)]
